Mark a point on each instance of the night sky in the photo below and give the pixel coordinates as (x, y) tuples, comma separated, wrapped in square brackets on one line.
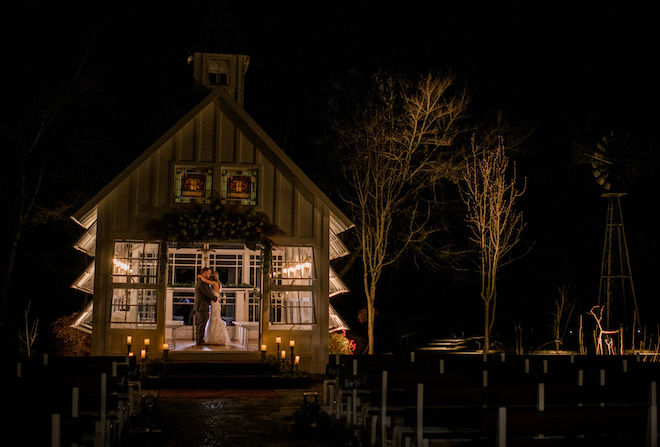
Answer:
[(568, 74)]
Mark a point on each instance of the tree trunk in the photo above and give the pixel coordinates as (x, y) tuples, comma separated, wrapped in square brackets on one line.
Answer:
[(371, 311), (486, 326)]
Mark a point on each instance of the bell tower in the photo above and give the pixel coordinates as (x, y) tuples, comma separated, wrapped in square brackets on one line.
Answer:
[(216, 70)]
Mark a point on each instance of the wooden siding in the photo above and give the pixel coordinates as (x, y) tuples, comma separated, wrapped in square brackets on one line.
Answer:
[(148, 191)]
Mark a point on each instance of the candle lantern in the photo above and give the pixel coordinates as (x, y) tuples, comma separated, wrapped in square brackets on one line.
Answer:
[(292, 344), (263, 353), (143, 354), (278, 340), (296, 362), (147, 343), (166, 350), (129, 342)]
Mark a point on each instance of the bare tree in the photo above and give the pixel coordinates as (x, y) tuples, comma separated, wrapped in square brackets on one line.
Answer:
[(399, 147), (490, 192)]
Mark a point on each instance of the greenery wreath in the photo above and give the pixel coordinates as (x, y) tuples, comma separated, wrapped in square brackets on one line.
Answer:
[(219, 222)]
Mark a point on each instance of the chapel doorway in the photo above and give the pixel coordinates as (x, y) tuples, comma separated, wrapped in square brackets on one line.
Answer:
[(239, 269)]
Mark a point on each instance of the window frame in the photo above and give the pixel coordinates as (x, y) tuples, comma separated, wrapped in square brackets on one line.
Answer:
[(176, 192), (278, 291), (139, 287)]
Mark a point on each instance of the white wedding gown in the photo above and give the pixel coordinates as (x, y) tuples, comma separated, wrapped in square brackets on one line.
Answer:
[(216, 328)]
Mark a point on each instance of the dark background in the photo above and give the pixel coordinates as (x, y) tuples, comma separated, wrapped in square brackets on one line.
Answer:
[(569, 74)]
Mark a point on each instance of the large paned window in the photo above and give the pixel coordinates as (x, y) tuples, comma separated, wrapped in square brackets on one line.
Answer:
[(291, 297), (135, 278)]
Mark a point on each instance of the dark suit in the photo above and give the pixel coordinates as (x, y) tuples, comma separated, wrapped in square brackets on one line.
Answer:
[(203, 297)]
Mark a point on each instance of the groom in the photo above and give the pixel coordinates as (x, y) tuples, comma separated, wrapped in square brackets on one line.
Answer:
[(203, 297)]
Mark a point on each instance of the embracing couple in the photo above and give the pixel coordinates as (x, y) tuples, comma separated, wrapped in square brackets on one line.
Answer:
[(211, 328)]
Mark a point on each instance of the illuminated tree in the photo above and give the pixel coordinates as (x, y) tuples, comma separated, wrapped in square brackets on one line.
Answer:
[(399, 146), (490, 194)]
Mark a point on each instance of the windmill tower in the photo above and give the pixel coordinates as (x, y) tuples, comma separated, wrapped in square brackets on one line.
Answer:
[(616, 290)]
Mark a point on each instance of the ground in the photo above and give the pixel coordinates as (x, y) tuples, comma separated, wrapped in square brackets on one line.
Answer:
[(229, 417)]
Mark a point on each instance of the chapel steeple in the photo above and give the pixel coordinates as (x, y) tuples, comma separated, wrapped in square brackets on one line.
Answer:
[(216, 70)]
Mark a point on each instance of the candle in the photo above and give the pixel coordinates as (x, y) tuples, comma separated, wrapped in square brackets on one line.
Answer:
[(129, 340), (130, 354), (166, 347), (143, 354), (278, 340), (147, 342), (292, 343), (283, 354), (263, 348), (297, 360)]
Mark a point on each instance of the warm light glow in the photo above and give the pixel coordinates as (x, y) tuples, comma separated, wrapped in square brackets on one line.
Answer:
[(166, 347), (283, 354), (292, 343), (129, 340), (147, 342), (143, 354), (122, 265), (278, 340), (263, 348), (130, 354), (297, 360)]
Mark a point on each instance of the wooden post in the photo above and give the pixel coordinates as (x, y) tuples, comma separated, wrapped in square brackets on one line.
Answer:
[(104, 392), (625, 365), (55, 430), (75, 397), (602, 377), (383, 411), (501, 427), (541, 397), (442, 366), (545, 366), (526, 366), (652, 430), (420, 414), (580, 379)]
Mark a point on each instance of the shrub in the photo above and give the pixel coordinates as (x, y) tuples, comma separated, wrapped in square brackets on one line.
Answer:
[(68, 341)]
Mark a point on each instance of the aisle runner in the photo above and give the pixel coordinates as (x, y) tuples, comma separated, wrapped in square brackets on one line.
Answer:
[(211, 394)]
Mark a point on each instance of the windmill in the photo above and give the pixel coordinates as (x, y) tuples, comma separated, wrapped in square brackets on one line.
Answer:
[(616, 291)]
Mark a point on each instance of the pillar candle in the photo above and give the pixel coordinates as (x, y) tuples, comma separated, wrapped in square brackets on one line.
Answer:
[(143, 354), (147, 342), (297, 360), (129, 340), (278, 340), (166, 347), (263, 348), (292, 343)]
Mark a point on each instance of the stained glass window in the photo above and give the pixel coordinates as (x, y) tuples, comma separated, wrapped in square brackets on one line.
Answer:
[(193, 185), (239, 186)]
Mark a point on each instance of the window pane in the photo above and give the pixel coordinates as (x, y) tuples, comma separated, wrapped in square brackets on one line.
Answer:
[(193, 185), (135, 262), (133, 308), (293, 265), (182, 306), (288, 307)]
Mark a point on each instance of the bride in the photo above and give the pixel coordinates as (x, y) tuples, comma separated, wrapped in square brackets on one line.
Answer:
[(216, 328)]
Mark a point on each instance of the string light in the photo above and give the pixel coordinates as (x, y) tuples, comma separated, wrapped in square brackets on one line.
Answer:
[(122, 265)]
